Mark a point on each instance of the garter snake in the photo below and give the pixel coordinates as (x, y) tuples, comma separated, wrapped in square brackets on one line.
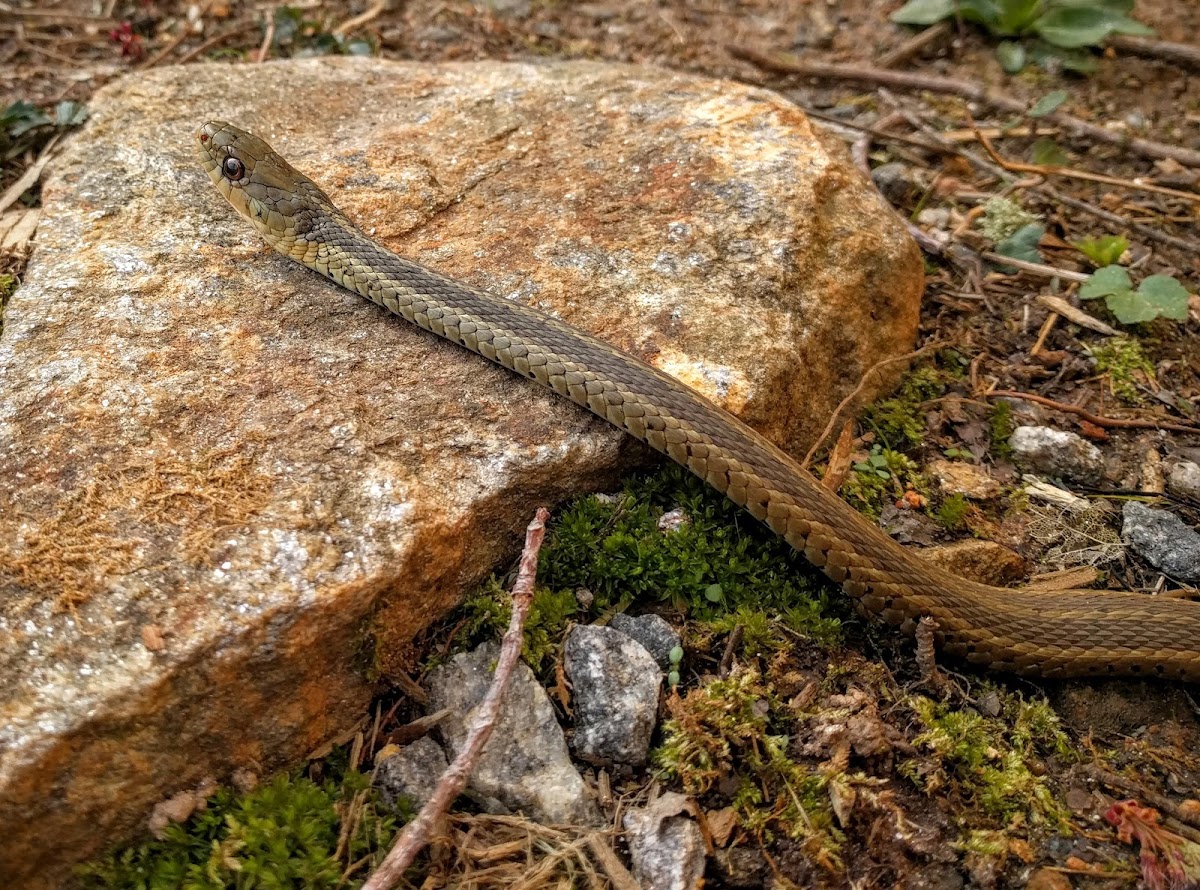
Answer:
[(1055, 634)]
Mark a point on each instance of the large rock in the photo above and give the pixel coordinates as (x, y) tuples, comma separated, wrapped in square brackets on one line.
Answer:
[(216, 466)]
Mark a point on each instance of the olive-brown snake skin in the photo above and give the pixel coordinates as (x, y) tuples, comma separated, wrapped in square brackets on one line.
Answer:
[(1059, 634)]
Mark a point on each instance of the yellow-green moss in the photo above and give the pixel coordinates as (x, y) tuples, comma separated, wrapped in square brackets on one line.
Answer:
[(282, 835)]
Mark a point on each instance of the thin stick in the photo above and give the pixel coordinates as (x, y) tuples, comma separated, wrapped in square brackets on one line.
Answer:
[(940, 143), (359, 20), (1113, 422), (264, 48), (966, 89), (875, 368), (216, 41), (914, 45), (1181, 53), (1072, 173), (416, 834)]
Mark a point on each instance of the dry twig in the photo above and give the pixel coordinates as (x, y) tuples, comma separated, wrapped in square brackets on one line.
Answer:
[(874, 369), (1098, 420), (1181, 53), (966, 89), (1072, 173), (914, 45), (416, 834)]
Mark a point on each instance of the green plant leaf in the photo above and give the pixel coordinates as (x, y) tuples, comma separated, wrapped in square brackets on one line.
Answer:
[(1048, 103), (923, 12), (1022, 244), (1076, 26), (1103, 251), (1011, 56), (985, 12), (1015, 16), (1130, 307), (714, 593), (1056, 58), (1165, 294), (1046, 153), (1105, 282)]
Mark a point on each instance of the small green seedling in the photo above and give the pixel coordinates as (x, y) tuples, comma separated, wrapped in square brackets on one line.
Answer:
[(1156, 295)]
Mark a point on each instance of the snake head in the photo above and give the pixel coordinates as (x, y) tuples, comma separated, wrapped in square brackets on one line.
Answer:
[(279, 201)]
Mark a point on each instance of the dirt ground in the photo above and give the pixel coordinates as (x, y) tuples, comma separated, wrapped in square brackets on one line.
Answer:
[(1009, 340)]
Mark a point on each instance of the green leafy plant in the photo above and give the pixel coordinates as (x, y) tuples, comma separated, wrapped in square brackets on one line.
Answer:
[(1157, 295), (1103, 251), (1055, 29), (883, 476), (25, 127), (298, 36)]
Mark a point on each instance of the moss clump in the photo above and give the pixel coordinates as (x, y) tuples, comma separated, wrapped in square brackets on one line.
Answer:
[(1126, 365), (1000, 428), (897, 421), (991, 761), (488, 613), (765, 633), (286, 834), (715, 561), (732, 731), (952, 511)]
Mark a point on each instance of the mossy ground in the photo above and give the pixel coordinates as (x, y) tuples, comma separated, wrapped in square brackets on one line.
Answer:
[(778, 719), (290, 833)]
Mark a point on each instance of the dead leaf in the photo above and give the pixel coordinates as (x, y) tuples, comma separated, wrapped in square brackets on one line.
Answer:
[(842, 797), (721, 823), (839, 458)]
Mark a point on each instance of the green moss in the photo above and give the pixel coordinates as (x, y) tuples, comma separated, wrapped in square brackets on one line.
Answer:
[(733, 731), (1000, 428), (1126, 365), (897, 421), (992, 761), (952, 511), (488, 613), (718, 562), (718, 559), (282, 835)]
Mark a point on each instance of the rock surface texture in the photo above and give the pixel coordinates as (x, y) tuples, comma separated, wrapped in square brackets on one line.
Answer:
[(525, 765), (219, 472), (1164, 540), (614, 691)]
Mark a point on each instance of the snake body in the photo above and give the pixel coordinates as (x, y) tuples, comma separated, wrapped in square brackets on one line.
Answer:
[(1059, 634)]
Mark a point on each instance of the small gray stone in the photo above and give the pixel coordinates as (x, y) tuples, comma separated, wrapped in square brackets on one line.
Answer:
[(411, 774), (652, 631), (615, 685), (525, 766), (1164, 540), (1056, 453), (667, 848), (1185, 480), (893, 181)]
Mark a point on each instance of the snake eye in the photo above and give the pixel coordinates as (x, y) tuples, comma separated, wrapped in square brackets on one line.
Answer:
[(233, 168)]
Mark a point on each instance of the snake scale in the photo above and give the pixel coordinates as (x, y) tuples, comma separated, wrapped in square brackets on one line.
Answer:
[(1055, 634)]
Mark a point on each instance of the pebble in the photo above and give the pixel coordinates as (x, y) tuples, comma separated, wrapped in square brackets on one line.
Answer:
[(615, 684), (1057, 453)]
